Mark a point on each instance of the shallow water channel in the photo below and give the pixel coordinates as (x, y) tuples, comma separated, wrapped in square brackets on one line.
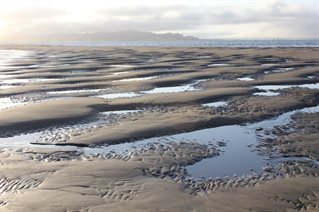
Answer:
[(237, 156)]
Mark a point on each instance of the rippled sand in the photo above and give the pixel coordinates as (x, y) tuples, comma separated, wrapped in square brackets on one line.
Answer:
[(58, 103)]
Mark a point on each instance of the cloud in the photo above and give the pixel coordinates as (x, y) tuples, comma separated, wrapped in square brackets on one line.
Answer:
[(34, 13), (208, 19)]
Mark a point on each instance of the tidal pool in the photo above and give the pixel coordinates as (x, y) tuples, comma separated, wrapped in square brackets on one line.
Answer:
[(120, 112), (122, 66), (8, 57), (217, 65), (215, 104), (278, 70), (23, 81), (119, 95), (135, 79), (237, 157), (173, 89), (7, 102), (245, 79), (266, 93), (279, 87), (75, 91)]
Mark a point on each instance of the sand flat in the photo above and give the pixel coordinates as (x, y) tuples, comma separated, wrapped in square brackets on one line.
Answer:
[(69, 174)]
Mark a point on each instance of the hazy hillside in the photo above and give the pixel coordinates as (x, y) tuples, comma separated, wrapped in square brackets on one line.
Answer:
[(108, 36)]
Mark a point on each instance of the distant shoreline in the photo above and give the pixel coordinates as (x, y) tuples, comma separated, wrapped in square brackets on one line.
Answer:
[(181, 43)]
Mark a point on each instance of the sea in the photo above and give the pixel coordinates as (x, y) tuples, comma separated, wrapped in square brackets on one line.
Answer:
[(187, 43)]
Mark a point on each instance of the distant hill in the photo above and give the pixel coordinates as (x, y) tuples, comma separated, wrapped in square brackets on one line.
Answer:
[(113, 36)]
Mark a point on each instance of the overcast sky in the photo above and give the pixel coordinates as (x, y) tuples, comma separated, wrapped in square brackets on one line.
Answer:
[(227, 19)]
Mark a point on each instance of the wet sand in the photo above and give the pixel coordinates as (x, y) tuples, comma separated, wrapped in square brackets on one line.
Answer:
[(65, 94)]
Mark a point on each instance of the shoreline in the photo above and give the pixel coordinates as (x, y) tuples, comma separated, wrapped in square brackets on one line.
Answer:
[(216, 43)]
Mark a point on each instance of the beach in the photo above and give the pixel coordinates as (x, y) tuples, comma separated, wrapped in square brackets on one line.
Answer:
[(149, 128)]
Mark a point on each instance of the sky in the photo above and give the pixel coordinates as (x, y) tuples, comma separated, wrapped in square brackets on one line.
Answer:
[(26, 20)]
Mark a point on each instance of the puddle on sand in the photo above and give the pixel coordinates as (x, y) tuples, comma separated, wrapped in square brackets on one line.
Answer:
[(120, 112), (245, 79), (269, 64), (279, 70), (157, 69), (279, 87), (7, 102), (23, 81), (218, 65), (312, 77), (119, 73), (119, 95), (310, 86), (19, 141), (173, 89), (238, 158), (8, 57), (122, 66), (215, 104), (49, 135), (266, 93), (75, 91), (60, 134), (135, 79)]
